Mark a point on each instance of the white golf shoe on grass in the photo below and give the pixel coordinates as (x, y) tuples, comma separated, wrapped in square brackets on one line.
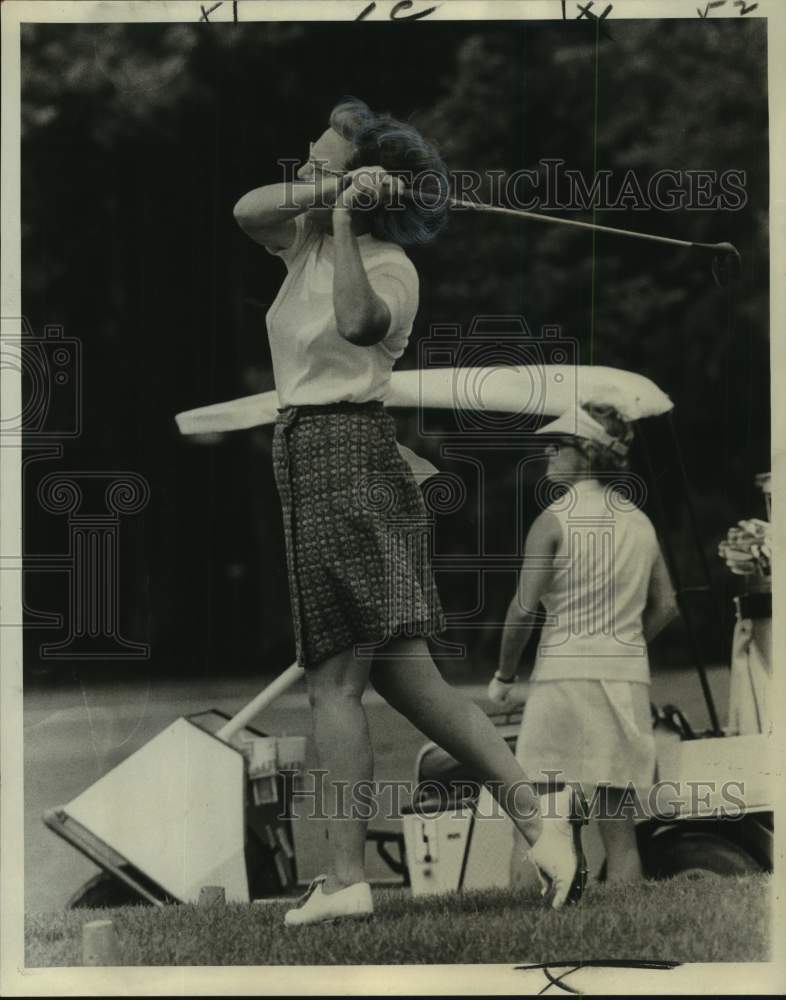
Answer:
[(557, 853), (318, 907)]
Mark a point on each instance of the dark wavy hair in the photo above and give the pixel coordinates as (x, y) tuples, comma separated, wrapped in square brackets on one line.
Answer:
[(380, 139), (603, 460)]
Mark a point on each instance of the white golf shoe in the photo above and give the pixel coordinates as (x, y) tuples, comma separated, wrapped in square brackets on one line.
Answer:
[(557, 853), (317, 907)]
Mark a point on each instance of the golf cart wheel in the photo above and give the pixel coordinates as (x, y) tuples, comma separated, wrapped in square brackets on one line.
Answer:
[(698, 854), (104, 891)]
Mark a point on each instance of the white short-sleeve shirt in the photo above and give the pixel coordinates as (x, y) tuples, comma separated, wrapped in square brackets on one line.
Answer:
[(312, 362)]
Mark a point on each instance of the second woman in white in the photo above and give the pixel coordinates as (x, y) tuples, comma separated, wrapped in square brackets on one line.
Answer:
[(593, 561)]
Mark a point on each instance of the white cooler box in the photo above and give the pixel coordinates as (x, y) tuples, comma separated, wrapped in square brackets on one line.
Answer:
[(464, 847)]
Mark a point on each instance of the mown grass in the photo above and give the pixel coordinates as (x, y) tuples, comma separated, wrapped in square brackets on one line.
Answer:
[(687, 919)]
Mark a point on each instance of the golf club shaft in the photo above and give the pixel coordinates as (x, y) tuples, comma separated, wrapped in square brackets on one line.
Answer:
[(282, 683), (521, 213)]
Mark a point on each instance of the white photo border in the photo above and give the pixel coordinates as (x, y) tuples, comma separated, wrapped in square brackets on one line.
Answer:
[(17, 980)]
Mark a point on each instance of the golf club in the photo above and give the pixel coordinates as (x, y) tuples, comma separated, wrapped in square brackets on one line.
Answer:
[(726, 260)]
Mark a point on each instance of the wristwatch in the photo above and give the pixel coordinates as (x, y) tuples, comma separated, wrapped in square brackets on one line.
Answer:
[(504, 680)]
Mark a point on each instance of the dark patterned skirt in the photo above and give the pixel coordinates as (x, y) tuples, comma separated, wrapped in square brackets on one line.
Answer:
[(358, 536)]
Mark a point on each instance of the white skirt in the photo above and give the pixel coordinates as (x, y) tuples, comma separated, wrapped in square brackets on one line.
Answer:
[(595, 732)]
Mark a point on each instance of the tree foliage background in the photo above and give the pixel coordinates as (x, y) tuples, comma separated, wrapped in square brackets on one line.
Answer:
[(137, 141)]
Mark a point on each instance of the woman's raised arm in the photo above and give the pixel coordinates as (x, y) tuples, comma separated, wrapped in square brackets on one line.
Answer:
[(267, 214), (362, 317)]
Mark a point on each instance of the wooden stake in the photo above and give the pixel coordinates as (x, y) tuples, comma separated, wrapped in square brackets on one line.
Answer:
[(100, 945), (212, 895)]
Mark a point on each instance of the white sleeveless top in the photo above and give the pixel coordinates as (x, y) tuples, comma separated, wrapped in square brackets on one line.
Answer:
[(599, 590), (312, 362)]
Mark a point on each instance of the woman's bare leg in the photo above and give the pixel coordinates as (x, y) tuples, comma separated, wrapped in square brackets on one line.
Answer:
[(623, 862), (340, 728), (408, 679)]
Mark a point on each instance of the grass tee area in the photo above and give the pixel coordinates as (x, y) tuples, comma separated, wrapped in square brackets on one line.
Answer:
[(687, 919)]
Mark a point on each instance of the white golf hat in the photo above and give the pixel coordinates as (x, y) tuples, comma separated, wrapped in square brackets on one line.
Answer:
[(576, 422)]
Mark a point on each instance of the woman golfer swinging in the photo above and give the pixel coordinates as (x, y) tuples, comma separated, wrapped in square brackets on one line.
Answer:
[(341, 319)]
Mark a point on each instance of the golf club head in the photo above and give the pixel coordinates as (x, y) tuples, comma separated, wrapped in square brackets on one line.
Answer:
[(726, 262)]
